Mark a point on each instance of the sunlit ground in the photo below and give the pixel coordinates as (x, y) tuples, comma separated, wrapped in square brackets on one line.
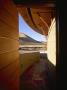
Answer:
[(27, 51)]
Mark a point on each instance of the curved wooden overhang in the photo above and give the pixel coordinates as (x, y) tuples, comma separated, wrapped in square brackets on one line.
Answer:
[(38, 15), (42, 18)]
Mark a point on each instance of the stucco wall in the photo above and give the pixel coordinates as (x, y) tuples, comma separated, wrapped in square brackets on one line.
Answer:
[(51, 43)]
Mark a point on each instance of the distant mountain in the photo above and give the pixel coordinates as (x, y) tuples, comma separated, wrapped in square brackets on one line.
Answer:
[(24, 38), (22, 35)]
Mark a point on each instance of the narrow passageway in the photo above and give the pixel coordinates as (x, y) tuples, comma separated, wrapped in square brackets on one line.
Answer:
[(26, 29), (39, 76)]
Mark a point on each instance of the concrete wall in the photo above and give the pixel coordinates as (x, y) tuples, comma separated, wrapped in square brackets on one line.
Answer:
[(27, 59), (9, 58)]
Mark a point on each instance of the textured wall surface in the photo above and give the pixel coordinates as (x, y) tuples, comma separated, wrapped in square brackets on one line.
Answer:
[(51, 44), (9, 58)]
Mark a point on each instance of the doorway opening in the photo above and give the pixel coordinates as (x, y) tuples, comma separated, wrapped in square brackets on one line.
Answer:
[(37, 48), (37, 55)]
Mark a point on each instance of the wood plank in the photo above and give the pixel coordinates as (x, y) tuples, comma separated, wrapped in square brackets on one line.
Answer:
[(7, 58), (7, 44), (8, 31)]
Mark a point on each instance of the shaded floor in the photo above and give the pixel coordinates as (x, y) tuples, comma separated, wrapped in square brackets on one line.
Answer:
[(39, 76)]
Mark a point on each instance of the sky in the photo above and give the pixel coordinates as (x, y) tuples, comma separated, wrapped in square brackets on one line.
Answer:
[(24, 28)]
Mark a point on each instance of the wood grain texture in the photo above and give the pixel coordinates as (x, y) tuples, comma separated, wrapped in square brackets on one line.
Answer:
[(9, 57)]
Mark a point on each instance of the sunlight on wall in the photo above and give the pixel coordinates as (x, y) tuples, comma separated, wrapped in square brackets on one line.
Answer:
[(51, 43)]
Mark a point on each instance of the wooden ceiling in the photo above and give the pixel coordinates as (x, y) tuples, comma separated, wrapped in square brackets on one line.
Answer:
[(37, 13)]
